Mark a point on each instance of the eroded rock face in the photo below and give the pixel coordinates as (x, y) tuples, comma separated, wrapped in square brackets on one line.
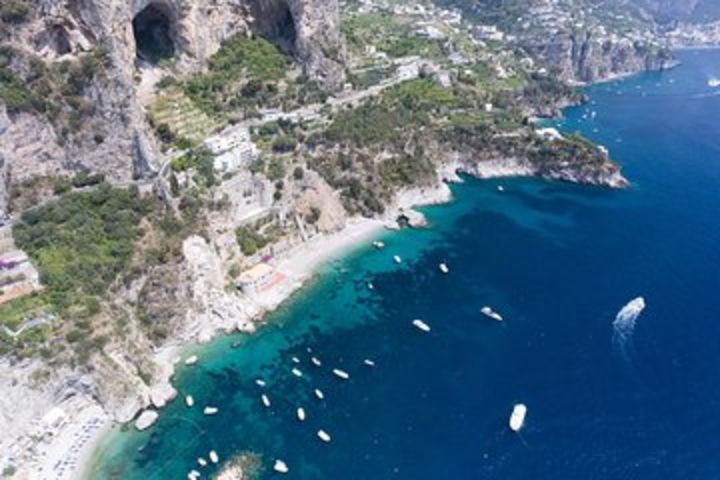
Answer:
[(587, 58), (116, 139)]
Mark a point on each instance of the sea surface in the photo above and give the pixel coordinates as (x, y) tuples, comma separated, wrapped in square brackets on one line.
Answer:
[(558, 261)]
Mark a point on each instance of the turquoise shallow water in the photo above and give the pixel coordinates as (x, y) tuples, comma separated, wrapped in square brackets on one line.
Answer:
[(558, 261)]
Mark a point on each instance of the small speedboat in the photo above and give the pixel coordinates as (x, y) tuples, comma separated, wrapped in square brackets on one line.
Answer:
[(265, 400), (210, 411), (319, 394), (369, 362), (421, 325), (301, 414), (500, 188), (295, 360), (316, 361), (202, 462), (192, 360), (213, 456), (342, 374), (379, 245), (490, 313), (280, 467), (260, 382), (517, 418), (714, 82), (397, 259), (324, 436), (444, 268), (297, 372), (189, 401)]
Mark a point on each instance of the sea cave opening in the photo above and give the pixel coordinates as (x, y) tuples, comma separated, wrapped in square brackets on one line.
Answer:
[(154, 33)]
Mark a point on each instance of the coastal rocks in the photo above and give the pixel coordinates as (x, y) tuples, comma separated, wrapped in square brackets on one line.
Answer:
[(588, 56), (162, 394), (146, 419)]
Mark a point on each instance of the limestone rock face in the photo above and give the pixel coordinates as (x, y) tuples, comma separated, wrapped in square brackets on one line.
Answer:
[(117, 139), (586, 58)]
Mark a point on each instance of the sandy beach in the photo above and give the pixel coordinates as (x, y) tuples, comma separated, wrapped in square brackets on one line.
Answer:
[(63, 436)]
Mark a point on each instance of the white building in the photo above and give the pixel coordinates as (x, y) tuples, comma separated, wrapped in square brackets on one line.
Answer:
[(257, 279), (232, 148)]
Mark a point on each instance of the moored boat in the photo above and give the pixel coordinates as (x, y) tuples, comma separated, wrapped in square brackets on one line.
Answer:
[(280, 467), (421, 325), (342, 374), (444, 268), (517, 418), (189, 401), (324, 436), (210, 411), (490, 313), (301, 414)]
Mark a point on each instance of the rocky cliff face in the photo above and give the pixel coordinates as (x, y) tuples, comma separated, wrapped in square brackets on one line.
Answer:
[(106, 130), (586, 57)]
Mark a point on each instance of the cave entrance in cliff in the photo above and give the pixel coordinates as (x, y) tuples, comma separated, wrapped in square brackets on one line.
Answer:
[(154, 33), (274, 21)]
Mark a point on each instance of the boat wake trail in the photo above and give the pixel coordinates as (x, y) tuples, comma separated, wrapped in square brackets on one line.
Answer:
[(624, 324)]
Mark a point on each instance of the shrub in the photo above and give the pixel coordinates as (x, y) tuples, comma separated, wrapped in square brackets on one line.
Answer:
[(14, 11)]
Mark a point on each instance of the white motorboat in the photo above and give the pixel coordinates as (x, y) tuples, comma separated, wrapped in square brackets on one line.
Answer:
[(319, 394), (421, 325), (297, 372), (260, 382), (397, 259), (189, 401), (265, 400), (324, 436), (295, 360), (517, 418), (369, 362), (280, 467), (210, 411), (714, 82), (213, 456), (490, 313), (202, 462), (301, 414), (316, 361), (192, 360), (500, 188), (379, 245), (444, 268), (342, 374)]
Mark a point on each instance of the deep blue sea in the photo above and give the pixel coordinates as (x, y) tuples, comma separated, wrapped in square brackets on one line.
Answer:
[(558, 261)]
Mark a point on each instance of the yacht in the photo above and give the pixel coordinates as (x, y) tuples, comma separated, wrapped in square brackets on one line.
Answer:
[(323, 435), (210, 411), (421, 325), (517, 418), (280, 467), (213, 456), (301, 414), (341, 373), (490, 313), (444, 268)]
